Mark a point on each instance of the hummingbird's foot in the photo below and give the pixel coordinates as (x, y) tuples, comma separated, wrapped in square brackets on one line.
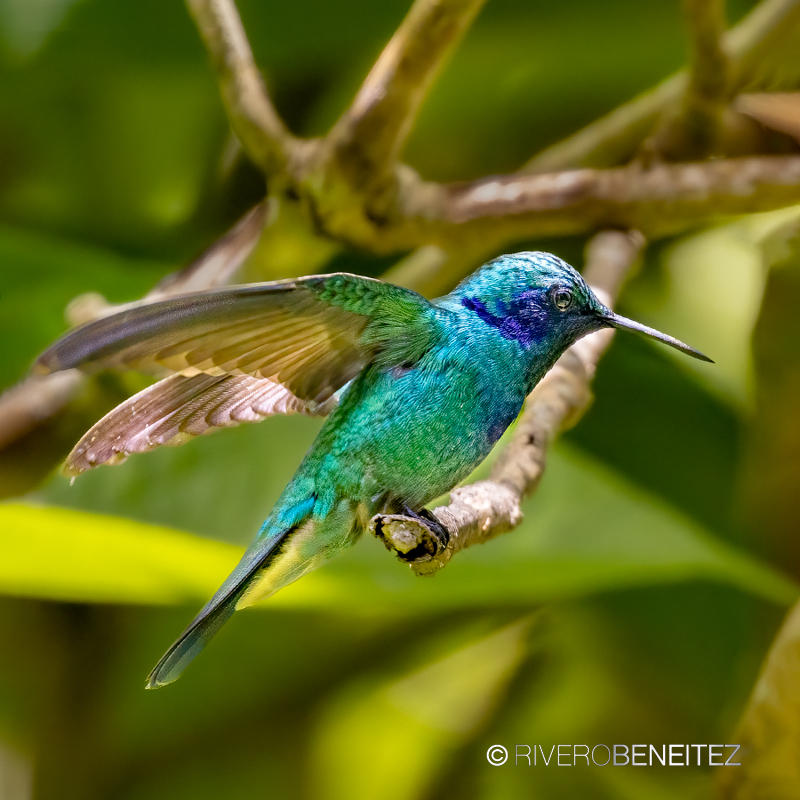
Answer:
[(436, 529), (414, 544), (429, 546)]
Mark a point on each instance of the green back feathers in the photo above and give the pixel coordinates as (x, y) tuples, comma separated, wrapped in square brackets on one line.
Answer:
[(401, 324)]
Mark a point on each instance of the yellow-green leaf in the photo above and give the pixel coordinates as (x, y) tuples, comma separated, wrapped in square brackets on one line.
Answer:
[(57, 554)]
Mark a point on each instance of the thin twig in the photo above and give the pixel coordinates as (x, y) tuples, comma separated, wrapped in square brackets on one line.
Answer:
[(25, 406), (480, 511), (779, 111), (247, 103)]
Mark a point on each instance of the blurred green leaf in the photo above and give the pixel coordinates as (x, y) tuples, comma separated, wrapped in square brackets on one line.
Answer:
[(608, 535), (57, 554), (706, 289), (771, 466), (665, 432), (415, 722), (139, 128), (769, 732), (221, 485)]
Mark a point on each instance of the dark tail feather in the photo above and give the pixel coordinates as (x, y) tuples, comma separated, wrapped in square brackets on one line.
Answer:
[(213, 615)]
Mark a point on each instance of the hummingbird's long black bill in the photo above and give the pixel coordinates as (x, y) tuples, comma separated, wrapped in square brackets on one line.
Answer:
[(623, 323)]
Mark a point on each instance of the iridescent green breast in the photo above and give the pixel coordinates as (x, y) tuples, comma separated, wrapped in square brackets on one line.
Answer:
[(415, 432)]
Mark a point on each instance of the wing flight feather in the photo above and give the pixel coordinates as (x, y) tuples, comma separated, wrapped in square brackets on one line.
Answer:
[(178, 408), (311, 335), (241, 354)]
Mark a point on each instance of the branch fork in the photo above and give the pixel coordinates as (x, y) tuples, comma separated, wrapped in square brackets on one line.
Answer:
[(354, 190)]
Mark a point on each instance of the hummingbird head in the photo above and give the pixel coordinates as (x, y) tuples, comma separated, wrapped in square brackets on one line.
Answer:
[(542, 302)]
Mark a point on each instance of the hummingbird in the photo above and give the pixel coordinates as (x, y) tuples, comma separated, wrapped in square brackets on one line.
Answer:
[(416, 394)]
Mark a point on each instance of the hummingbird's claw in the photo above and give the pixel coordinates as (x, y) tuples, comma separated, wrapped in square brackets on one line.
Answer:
[(412, 543)]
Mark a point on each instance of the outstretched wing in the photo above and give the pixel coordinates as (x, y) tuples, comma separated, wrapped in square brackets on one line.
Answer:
[(178, 408), (311, 335)]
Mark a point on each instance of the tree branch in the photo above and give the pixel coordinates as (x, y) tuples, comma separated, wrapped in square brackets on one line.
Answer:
[(694, 132), (366, 142), (38, 398), (247, 103), (779, 111), (614, 138), (708, 63), (474, 219), (355, 193), (659, 201), (480, 511)]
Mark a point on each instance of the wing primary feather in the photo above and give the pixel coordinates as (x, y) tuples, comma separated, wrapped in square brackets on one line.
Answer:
[(311, 334), (142, 323), (180, 407)]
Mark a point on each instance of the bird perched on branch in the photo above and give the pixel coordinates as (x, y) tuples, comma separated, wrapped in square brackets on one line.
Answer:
[(417, 393)]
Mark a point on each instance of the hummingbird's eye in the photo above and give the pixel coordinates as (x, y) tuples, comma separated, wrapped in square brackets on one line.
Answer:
[(562, 298)]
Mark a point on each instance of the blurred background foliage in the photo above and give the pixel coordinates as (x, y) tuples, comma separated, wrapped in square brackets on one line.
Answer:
[(634, 604)]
